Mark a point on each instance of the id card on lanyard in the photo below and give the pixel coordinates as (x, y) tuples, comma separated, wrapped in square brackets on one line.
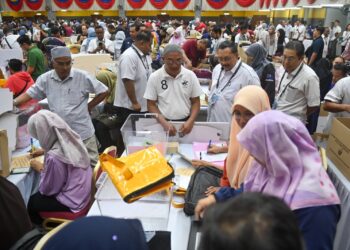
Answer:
[(144, 62), (217, 92), (280, 94)]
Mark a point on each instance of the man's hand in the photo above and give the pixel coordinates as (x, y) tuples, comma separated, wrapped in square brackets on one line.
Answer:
[(171, 128), (186, 127), (202, 205), (36, 165), (136, 107), (211, 190)]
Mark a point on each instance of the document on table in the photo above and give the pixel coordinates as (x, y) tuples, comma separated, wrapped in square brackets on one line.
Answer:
[(21, 163)]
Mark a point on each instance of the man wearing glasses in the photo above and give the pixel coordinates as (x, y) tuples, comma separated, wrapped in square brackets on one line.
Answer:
[(173, 92), (298, 92), (67, 91), (229, 76)]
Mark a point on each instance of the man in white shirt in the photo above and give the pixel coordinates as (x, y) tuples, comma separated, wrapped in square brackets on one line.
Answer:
[(325, 37), (133, 72), (302, 32), (298, 92), (337, 101), (229, 76), (281, 25), (334, 35), (9, 41), (243, 35), (174, 84), (100, 45)]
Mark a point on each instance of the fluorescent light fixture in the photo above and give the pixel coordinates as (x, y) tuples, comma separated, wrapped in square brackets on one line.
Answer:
[(38, 14), (335, 5), (163, 13), (96, 13), (293, 8), (312, 6), (64, 10), (279, 8), (226, 14), (264, 10)]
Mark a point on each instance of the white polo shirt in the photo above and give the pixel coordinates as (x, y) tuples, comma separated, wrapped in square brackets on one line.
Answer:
[(132, 67), (94, 44), (340, 93), (173, 94), (225, 90), (293, 96)]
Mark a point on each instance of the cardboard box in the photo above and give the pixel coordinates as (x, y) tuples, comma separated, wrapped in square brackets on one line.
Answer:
[(338, 147), (4, 154)]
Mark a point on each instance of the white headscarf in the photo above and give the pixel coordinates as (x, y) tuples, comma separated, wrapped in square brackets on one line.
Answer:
[(56, 136)]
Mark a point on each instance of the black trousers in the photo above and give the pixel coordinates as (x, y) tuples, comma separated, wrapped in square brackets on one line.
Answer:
[(40, 203)]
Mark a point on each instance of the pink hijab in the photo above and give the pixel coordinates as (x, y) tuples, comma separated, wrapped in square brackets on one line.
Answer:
[(56, 137), (287, 163), (255, 99)]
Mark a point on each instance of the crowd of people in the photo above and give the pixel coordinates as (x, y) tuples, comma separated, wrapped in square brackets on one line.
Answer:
[(159, 65)]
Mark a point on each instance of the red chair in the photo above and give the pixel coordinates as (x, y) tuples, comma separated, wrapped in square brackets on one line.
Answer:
[(54, 218)]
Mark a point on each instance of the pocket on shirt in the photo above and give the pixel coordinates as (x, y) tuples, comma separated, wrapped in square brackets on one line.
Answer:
[(73, 97), (292, 94)]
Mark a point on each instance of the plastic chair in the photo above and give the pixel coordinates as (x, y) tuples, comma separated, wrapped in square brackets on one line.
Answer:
[(54, 218)]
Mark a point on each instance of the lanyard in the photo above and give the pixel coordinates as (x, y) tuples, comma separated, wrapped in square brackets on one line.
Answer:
[(285, 88), (143, 63), (229, 80)]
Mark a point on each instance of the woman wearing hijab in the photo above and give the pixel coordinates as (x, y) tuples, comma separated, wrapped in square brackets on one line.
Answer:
[(256, 58), (177, 37), (297, 176), (248, 102), (65, 176), (99, 232), (281, 42)]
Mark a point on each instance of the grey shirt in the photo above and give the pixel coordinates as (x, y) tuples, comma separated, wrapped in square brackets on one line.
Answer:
[(69, 98), (297, 91)]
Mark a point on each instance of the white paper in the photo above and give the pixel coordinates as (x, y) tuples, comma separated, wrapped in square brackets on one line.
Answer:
[(6, 97)]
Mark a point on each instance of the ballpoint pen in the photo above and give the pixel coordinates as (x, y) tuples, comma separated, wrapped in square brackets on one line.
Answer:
[(32, 145), (209, 144)]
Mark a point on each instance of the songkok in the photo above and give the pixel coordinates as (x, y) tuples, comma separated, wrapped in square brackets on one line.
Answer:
[(60, 51), (171, 48)]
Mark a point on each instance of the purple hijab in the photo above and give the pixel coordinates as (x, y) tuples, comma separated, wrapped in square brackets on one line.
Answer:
[(287, 163)]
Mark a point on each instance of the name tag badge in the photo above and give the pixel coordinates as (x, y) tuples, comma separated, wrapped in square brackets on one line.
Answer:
[(214, 98)]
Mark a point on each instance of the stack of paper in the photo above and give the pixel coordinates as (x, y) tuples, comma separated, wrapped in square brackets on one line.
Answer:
[(21, 163), (6, 97)]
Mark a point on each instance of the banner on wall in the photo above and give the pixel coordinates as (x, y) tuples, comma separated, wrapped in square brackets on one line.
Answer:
[(295, 2), (84, 4), (15, 5), (159, 4), (105, 4), (34, 4), (180, 4), (217, 4), (284, 2), (137, 4), (245, 3), (63, 4)]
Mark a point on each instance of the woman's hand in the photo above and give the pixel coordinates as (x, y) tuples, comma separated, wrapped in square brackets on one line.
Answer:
[(198, 163), (36, 165), (202, 205), (211, 190), (37, 152), (213, 149)]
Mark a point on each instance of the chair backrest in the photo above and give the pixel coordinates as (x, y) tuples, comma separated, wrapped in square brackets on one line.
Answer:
[(48, 235)]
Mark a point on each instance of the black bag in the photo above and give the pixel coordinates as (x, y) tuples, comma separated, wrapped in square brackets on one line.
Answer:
[(201, 179), (109, 120), (29, 240)]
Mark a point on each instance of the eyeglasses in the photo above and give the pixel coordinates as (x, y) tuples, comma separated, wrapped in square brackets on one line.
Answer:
[(289, 58), (225, 59), (171, 61), (245, 115)]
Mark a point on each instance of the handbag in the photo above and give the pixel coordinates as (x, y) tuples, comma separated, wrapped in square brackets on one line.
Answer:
[(139, 174)]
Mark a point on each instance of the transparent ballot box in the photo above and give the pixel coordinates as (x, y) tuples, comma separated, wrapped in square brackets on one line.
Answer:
[(143, 130), (152, 211)]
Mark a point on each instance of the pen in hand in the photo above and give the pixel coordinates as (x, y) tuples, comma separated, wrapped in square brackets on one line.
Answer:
[(32, 145), (209, 144)]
